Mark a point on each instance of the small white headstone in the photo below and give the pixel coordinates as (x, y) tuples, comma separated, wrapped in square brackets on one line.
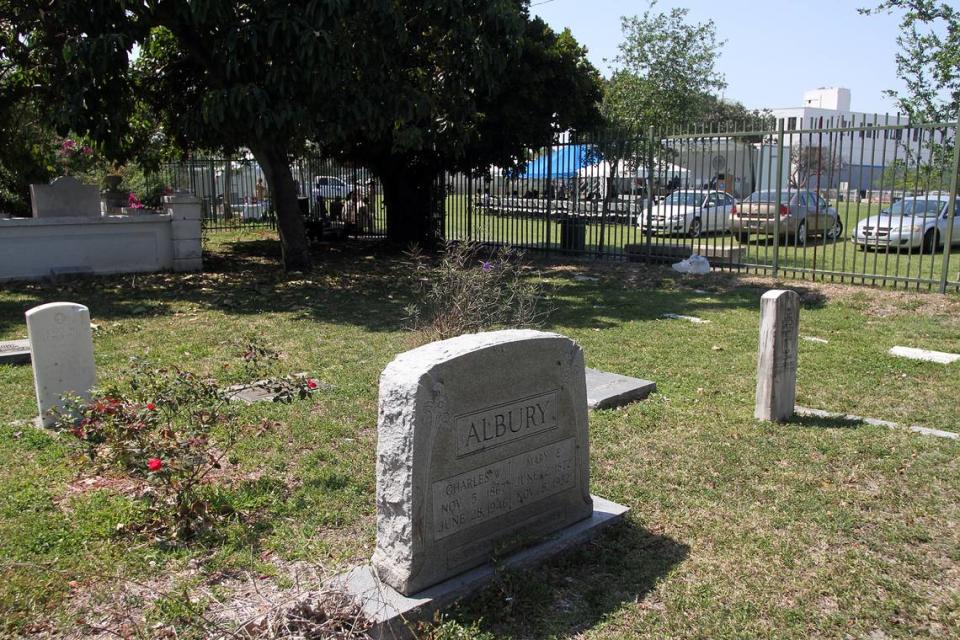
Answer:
[(777, 362), (62, 347), (925, 355), (65, 197)]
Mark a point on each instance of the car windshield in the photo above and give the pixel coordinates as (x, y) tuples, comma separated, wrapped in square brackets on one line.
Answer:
[(684, 199), (766, 197), (913, 207)]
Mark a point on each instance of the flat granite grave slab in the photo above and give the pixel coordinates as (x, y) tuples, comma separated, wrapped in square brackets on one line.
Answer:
[(678, 316), (611, 390), (925, 355), (820, 413), (392, 613), (14, 351)]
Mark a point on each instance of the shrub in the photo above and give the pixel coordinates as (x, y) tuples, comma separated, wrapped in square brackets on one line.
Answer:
[(472, 288), (166, 429)]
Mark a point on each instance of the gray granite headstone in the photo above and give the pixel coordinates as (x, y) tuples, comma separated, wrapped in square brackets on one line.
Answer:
[(482, 448), (14, 351), (65, 197), (777, 361), (62, 346)]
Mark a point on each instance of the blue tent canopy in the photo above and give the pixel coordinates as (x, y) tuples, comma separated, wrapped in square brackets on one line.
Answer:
[(563, 162)]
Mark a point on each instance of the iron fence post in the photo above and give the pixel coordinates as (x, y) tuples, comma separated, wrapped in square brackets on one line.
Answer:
[(951, 209), (549, 225), (470, 205), (648, 214), (776, 217)]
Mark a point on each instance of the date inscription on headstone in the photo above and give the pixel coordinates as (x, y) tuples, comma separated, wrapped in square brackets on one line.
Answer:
[(482, 494)]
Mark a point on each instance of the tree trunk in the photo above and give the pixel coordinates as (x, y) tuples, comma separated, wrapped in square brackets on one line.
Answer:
[(408, 194), (293, 235)]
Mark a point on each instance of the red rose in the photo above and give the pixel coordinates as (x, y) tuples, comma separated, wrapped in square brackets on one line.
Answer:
[(154, 464), (311, 384), (151, 406)]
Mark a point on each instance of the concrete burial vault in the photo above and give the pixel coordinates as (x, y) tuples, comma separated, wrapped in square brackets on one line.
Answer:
[(483, 452)]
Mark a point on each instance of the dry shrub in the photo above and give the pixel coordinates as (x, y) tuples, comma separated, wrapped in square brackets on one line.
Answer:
[(473, 288)]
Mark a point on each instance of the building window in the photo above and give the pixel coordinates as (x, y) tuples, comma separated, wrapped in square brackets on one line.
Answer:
[(791, 124)]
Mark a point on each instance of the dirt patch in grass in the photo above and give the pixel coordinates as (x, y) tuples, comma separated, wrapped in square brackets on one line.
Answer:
[(255, 607)]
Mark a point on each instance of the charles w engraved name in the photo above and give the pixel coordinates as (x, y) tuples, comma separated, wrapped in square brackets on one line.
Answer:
[(482, 494), (504, 423)]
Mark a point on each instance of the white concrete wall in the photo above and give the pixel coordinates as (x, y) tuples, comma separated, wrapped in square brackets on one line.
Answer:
[(36, 248)]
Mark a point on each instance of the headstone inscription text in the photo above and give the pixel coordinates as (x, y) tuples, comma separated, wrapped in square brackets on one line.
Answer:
[(494, 490), (508, 422), (482, 443)]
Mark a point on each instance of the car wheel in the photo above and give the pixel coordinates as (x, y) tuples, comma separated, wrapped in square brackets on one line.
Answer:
[(931, 240), (836, 230), (695, 230), (800, 238)]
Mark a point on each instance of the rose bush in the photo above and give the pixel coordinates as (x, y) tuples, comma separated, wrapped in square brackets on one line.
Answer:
[(167, 429)]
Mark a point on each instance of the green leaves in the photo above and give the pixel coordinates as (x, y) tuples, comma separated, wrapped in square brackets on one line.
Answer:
[(666, 68)]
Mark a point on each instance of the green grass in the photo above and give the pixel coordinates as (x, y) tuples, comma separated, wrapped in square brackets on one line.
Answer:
[(816, 528)]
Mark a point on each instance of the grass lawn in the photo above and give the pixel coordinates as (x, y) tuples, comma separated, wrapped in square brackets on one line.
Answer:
[(737, 529)]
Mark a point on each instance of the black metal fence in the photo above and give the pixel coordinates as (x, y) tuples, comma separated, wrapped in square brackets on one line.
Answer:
[(857, 200), (869, 201), (234, 194)]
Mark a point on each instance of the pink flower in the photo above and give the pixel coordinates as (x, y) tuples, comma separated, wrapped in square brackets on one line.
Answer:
[(68, 145), (86, 150), (151, 406), (154, 464)]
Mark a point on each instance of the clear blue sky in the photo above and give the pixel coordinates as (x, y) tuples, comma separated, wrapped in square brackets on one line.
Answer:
[(775, 49)]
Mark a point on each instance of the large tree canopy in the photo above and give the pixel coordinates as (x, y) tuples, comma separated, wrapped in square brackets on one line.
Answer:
[(408, 86), (476, 84)]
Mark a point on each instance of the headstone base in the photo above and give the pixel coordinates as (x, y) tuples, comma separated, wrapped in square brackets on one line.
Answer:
[(393, 613), (611, 390)]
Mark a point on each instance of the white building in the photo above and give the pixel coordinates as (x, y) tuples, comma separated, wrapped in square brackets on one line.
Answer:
[(865, 149)]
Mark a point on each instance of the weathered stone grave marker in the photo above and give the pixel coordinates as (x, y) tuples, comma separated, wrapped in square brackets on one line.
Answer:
[(61, 344), (777, 362), (483, 450), (65, 197)]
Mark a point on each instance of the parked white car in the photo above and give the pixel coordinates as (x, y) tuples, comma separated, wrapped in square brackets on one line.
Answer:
[(330, 187), (911, 223), (691, 212)]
